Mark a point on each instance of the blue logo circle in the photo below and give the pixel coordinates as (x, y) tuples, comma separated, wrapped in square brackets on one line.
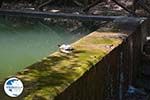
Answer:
[(13, 87)]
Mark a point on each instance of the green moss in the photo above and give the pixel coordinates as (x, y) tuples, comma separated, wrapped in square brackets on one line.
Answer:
[(49, 77), (101, 41)]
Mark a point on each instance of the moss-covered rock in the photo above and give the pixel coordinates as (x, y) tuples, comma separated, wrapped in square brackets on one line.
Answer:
[(49, 77)]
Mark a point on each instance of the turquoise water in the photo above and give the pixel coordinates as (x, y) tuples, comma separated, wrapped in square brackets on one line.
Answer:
[(23, 44)]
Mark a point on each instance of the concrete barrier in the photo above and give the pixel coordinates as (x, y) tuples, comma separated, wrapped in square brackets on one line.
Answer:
[(101, 67), (110, 77)]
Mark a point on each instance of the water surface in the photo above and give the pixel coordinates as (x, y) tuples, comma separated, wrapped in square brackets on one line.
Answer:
[(23, 44)]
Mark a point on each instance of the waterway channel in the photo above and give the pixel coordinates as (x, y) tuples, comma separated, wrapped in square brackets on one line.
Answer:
[(22, 44)]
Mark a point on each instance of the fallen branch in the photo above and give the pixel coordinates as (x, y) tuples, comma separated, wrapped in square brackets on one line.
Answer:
[(35, 14), (93, 4), (132, 12), (78, 3), (44, 4)]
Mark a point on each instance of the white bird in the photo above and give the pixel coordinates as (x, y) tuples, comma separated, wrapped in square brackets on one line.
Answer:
[(65, 48)]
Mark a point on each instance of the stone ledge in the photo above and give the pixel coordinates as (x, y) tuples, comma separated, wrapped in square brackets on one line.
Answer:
[(49, 77)]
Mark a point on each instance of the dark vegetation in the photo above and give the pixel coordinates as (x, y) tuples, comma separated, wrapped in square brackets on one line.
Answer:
[(132, 7)]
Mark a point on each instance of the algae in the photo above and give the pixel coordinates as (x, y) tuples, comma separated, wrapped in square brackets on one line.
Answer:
[(49, 77)]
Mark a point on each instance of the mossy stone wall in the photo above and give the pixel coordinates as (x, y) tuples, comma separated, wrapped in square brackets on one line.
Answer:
[(99, 67)]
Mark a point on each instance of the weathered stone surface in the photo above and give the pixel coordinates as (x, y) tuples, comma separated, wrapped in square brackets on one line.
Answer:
[(52, 75)]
